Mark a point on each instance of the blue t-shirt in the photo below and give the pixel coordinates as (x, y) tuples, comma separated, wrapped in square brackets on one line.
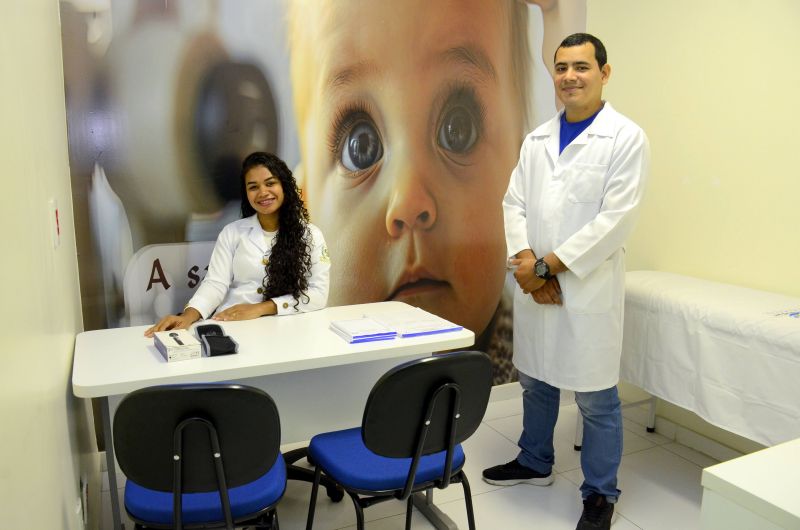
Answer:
[(570, 131)]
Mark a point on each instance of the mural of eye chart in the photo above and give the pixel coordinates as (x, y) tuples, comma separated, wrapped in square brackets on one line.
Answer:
[(402, 122)]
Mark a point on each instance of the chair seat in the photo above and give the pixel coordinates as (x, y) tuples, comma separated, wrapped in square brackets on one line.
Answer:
[(344, 457), (156, 506)]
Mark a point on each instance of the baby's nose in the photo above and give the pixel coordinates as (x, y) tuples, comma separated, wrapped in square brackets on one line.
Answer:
[(412, 207)]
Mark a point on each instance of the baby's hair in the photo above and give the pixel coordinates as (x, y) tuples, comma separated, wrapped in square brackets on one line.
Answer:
[(521, 60), (298, 29)]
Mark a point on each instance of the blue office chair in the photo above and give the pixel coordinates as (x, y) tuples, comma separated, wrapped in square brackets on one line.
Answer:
[(415, 419), (200, 456)]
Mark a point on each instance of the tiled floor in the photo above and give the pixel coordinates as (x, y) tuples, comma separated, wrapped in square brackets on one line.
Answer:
[(660, 481)]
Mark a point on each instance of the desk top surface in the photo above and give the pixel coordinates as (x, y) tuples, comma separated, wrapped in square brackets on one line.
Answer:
[(765, 482), (121, 360)]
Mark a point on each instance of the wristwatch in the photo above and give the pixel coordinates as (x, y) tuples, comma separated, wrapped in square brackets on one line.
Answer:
[(541, 269)]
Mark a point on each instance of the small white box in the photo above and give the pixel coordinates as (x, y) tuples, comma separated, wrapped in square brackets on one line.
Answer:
[(177, 345)]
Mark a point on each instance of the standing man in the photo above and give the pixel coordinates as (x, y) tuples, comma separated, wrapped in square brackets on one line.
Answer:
[(570, 206)]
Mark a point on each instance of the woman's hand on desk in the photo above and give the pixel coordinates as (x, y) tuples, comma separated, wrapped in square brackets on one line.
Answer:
[(247, 311), (189, 316)]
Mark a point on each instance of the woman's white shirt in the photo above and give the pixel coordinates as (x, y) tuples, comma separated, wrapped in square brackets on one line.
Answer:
[(236, 271)]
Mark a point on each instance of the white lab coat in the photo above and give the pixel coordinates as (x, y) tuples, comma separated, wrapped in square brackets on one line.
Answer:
[(582, 206), (236, 271)]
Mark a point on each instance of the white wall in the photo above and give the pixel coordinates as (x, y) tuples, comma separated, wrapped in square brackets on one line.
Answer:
[(44, 444), (714, 85)]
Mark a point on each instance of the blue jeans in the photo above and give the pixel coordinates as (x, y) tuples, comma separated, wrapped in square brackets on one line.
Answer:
[(602, 434)]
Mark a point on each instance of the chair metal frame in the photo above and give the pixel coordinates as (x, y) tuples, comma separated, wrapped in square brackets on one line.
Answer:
[(435, 400), (264, 518)]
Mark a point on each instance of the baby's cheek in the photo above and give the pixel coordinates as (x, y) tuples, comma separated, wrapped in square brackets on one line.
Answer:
[(358, 275), (480, 267), (479, 261)]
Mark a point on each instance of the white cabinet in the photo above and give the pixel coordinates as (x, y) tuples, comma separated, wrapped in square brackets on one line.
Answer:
[(758, 491)]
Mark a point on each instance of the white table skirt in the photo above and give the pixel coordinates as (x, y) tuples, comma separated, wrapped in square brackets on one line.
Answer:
[(729, 354)]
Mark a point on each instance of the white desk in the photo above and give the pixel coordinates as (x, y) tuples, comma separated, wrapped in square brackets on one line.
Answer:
[(318, 381), (758, 490)]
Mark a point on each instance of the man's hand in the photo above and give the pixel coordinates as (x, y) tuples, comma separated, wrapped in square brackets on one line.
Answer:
[(549, 293), (244, 311), (527, 280)]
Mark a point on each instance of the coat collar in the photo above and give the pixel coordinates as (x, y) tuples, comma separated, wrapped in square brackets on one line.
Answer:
[(254, 231), (603, 125)]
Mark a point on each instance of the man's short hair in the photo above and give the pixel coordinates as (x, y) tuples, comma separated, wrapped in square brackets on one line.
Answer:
[(577, 39)]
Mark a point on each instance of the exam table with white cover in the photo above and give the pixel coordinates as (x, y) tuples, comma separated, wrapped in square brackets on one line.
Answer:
[(730, 354)]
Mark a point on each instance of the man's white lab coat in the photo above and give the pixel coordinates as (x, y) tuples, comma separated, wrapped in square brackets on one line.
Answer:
[(582, 206)]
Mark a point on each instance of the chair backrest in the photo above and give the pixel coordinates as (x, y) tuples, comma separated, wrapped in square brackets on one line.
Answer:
[(160, 279), (396, 407), (245, 419)]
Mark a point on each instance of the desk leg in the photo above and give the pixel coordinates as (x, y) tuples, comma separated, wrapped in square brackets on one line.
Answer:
[(424, 503), (111, 464)]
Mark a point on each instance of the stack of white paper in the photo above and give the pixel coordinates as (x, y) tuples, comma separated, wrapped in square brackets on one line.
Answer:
[(362, 330), (415, 322)]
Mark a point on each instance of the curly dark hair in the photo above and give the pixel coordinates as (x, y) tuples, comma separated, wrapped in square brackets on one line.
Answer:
[(290, 261)]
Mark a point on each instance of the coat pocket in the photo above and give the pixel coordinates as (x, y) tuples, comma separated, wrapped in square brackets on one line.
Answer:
[(585, 182), (593, 294)]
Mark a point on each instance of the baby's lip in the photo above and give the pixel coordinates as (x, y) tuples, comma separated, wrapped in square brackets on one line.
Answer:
[(416, 281)]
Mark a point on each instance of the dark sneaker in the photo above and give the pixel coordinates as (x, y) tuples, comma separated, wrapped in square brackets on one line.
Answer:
[(598, 513), (515, 473)]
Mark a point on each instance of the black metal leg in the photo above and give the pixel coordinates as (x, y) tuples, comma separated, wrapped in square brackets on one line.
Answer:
[(294, 472), (468, 500), (409, 509), (312, 505), (359, 511), (111, 464), (295, 454)]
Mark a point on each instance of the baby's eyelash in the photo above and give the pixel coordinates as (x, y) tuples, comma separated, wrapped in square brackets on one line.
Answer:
[(343, 121), (464, 93), (459, 94)]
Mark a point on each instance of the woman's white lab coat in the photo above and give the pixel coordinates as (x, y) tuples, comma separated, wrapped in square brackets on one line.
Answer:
[(236, 271), (580, 205)]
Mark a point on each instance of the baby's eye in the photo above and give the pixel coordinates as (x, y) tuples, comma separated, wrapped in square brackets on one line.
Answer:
[(458, 130), (362, 147)]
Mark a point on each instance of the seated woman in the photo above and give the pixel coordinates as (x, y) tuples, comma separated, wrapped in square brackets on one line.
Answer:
[(272, 261)]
